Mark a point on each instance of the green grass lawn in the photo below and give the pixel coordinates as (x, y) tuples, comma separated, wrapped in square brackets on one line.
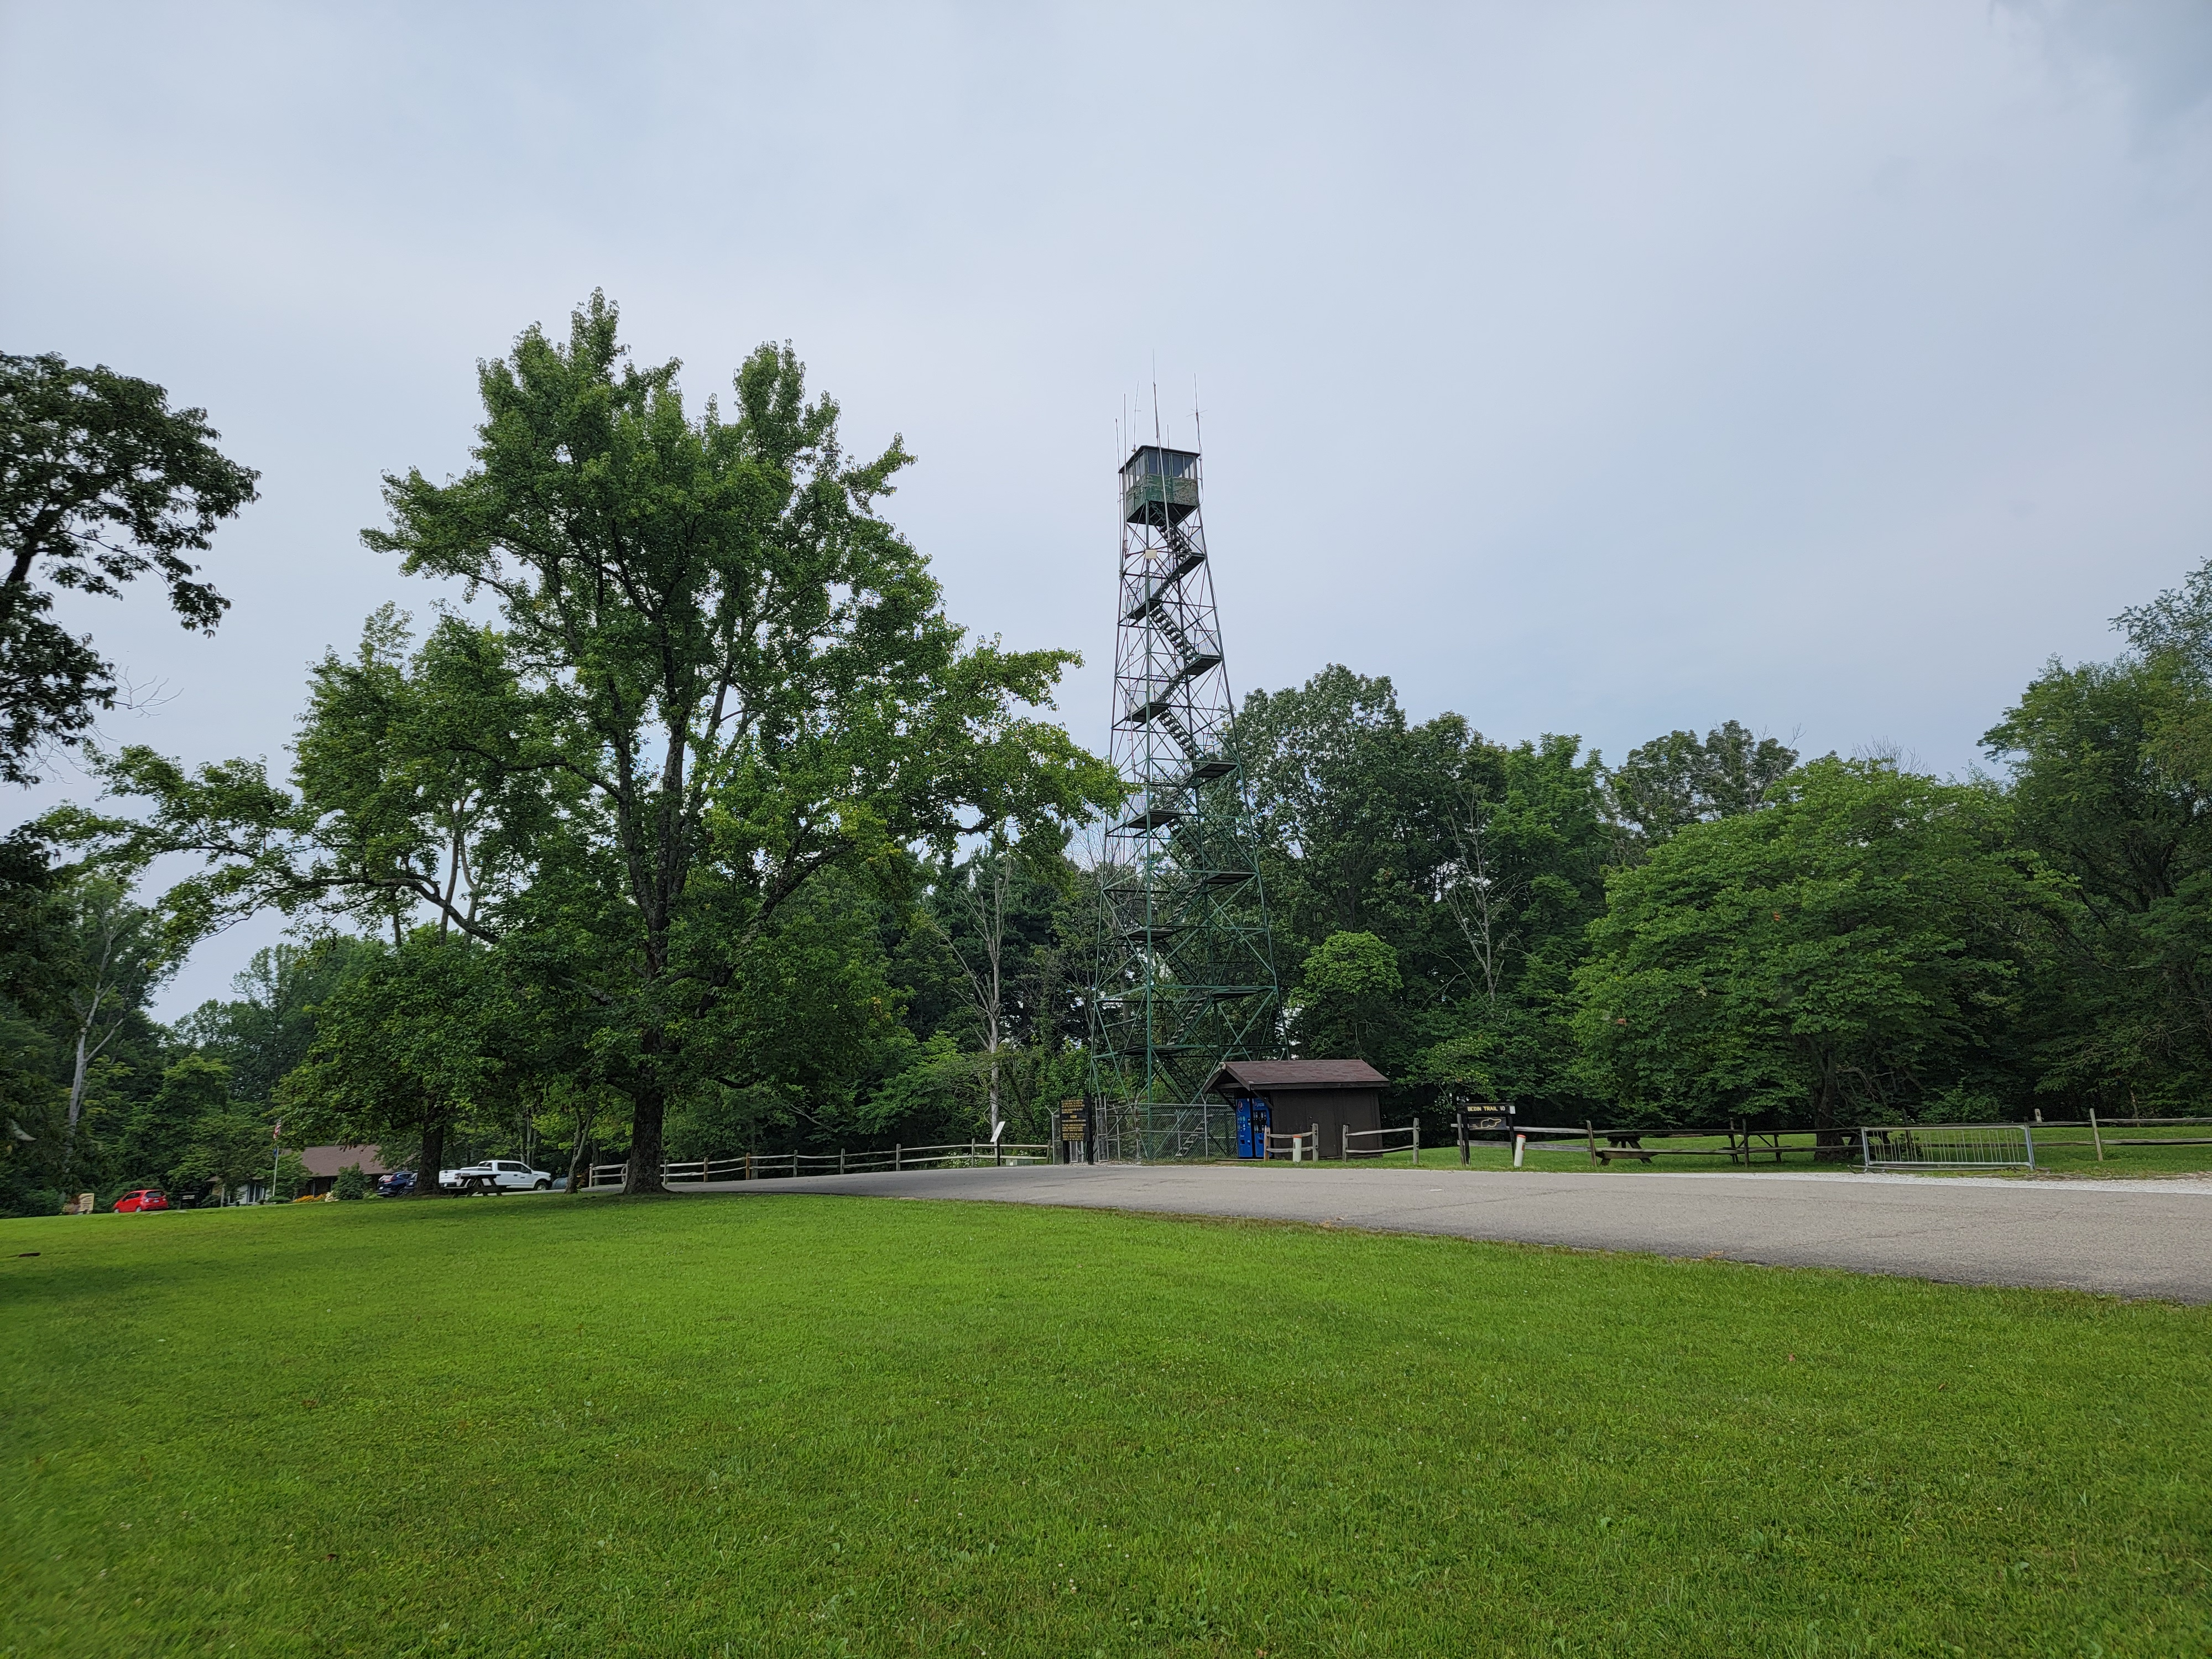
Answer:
[(814, 1425), (2061, 1151)]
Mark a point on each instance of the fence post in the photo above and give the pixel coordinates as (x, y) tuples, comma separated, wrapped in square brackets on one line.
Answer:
[(1519, 1145), (898, 1156), (1866, 1152), (1416, 1143), (1592, 1133), (2095, 1136), (2028, 1135), (841, 1160)]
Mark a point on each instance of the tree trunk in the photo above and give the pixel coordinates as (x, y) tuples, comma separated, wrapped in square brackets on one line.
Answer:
[(1829, 1140), (648, 1106), (580, 1157), (433, 1155), (75, 1102)]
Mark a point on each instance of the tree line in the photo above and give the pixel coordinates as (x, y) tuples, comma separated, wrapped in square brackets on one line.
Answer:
[(1717, 930), (687, 823)]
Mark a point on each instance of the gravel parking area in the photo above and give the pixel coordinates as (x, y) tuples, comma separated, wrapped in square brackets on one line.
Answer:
[(2147, 1238)]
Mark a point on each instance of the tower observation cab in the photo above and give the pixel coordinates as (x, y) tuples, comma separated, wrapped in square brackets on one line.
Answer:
[(1186, 979), (1159, 486)]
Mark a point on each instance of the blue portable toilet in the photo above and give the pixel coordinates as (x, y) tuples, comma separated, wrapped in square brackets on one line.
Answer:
[(1253, 1122)]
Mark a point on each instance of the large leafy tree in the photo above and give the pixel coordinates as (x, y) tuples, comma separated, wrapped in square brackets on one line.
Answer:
[(1478, 864), (227, 1149), (1531, 843), (427, 774), (412, 793), (717, 672), (2111, 767), (998, 922), (79, 959), (1354, 811), (101, 482), (264, 1030), (1348, 997), (117, 954), (412, 1043), (1681, 779), (34, 929), (162, 1129), (1352, 806), (992, 967), (1852, 953), (811, 1022)]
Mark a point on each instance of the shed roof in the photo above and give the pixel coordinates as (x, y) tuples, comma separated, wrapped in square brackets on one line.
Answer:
[(1284, 1074), (325, 1161)]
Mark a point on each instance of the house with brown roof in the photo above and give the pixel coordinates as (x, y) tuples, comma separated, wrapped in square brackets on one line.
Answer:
[(324, 1163)]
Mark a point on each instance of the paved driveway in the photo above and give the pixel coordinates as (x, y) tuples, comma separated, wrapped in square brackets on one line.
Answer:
[(2148, 1238)]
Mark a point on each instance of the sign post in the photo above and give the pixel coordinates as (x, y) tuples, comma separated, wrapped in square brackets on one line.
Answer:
[(1075, 1132), (1470, 1119)]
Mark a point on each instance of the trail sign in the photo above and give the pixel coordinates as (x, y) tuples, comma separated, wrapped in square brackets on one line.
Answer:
[(1483, 1118)]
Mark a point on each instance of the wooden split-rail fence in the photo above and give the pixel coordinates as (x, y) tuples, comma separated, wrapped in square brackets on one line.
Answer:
[(765, 1166)]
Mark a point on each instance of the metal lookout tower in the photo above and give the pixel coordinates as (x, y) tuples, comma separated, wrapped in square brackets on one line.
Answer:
[(1186, 968)]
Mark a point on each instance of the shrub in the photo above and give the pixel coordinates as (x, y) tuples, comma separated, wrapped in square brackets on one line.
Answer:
[(351, 1182), (292, 1176)]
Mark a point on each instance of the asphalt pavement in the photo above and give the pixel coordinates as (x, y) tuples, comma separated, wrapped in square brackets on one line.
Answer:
[(2131, 1238)]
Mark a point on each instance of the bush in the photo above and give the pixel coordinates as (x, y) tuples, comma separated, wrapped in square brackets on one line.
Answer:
[(351, 1182), (1960, 1105), (291, 1177)]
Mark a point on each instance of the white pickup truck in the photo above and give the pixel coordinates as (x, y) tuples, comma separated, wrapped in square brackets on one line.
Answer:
[(495, 1174)]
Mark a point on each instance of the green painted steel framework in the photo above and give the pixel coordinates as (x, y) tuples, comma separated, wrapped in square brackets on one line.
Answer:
[(1186, 966)]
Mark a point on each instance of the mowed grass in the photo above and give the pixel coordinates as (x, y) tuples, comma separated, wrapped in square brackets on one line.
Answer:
[(818, 1425), (2057, 1151)]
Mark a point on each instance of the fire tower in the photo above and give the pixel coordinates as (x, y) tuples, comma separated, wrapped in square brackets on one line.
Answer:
[(1186, 968)]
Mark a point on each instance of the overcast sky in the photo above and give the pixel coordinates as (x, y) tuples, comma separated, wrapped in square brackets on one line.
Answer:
[(1599, 369)]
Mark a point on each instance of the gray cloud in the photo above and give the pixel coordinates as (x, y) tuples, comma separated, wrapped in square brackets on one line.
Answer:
[(2161, 49), (1596, 368)]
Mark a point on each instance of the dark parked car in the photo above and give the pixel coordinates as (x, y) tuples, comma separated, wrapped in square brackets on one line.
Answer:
[(146, 1198), (397, 1184)]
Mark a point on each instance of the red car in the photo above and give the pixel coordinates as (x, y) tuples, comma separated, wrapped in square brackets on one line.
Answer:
[(146, 1198)]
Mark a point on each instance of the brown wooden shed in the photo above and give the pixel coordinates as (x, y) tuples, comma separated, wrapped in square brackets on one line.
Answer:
[(1335, 1095)]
